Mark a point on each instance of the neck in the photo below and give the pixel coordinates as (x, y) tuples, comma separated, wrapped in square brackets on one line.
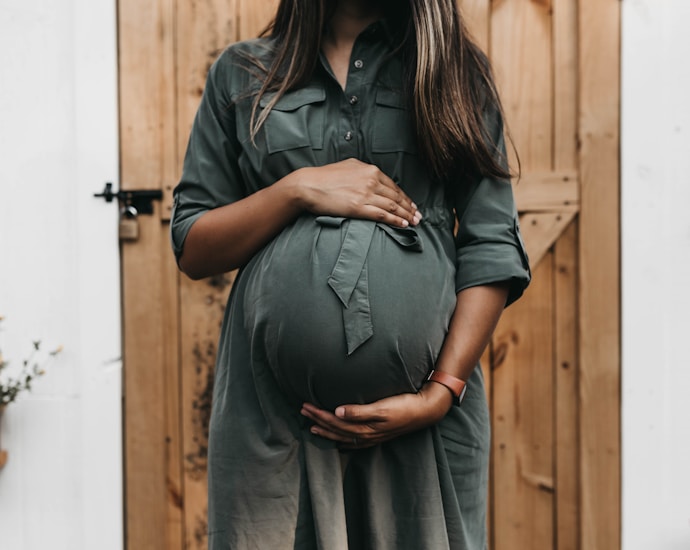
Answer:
[(350, 18)]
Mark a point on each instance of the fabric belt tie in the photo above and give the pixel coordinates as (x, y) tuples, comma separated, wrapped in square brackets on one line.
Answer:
[(350, 278)]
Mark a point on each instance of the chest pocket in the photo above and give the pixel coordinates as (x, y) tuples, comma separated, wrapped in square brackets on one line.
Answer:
[(296, 120), (393, 130)]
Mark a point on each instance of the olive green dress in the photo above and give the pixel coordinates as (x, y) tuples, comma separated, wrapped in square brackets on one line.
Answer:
[(337, 311)]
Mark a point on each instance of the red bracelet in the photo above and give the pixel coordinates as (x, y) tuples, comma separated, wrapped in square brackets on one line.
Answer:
[(456, 386)]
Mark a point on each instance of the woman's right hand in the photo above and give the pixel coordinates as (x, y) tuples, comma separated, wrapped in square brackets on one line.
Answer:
[(354, 189), (227, 237)]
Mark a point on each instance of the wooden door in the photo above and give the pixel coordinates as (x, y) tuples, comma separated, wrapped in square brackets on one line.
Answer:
[(553, 366)]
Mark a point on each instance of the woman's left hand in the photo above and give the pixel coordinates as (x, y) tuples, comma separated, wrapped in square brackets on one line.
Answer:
[(361, 426)]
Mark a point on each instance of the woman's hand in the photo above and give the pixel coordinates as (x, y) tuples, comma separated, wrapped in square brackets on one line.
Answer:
[(354, 189), (361, 426), (227, 237)]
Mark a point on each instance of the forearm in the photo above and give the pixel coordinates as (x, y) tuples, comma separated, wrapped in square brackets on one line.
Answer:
[(227, 237), (476, 315)]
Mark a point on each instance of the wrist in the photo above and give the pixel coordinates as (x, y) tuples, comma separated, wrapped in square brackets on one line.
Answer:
[(438, 398), (456, 386), (296, 189)]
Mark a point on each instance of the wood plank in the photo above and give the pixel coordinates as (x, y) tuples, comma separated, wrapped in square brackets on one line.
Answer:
[(523, 419), (565, 53), (171, 364), (476, 14), (599, 277), (540, 232), (548, 192), (202, 304), (147, 94), (204, 30), (144, 390), (147, 161), (566, 400), (521, 53), (254, 16), (486, 362)]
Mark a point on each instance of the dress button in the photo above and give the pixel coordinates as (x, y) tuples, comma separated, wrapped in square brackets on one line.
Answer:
[(353, 100), (359, 64), (348, 136)]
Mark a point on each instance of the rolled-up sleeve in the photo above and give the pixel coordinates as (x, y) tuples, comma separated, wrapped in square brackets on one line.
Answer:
[(488, 242), (210, 176)]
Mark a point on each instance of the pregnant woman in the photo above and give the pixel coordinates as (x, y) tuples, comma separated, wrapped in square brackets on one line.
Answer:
[(351, 163)]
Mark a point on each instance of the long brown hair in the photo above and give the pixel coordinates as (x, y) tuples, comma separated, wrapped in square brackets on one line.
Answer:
[(449, 80)]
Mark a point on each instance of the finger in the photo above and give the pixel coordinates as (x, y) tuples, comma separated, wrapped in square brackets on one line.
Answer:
[(388, 189), (385, 185), (385, 180), (391, 206), (325, 420), (335, 436), (350, 442), (380, 215), (395, 203), (398, 205), (358, 436), (361, 414), (350, 434)]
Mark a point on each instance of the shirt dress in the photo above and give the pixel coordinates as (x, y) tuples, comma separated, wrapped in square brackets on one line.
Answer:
[(336, 311)]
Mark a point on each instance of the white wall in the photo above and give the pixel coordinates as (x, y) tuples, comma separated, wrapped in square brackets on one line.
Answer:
[(656, 274), (59, 274)]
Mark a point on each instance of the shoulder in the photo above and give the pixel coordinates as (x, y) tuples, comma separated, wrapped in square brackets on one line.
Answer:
[(260, 49), (244, 55), (239, 67)]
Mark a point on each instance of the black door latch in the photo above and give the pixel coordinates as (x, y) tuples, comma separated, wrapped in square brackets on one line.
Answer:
[(142, 200)]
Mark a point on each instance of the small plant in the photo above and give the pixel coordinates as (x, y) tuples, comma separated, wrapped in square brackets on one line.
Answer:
[(32, 368)]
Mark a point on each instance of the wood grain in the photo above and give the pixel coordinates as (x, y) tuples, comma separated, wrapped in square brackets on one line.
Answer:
[(147, 131), (476, 14), (548, 192), (523, 397), (486, 361), (540, 231), (171, 364), (204, 30), (565, 92), (566, 395), (253, 17), (599, 273), (555, 355), (521, 53), (202, 304)]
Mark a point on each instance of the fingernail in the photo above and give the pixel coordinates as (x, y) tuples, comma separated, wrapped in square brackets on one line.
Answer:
[(418, 214), (414, 206), (340, 412), (405, 223), (314, 431)]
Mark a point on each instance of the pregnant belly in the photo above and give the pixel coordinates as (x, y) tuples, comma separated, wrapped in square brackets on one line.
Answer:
[(350, 311)]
